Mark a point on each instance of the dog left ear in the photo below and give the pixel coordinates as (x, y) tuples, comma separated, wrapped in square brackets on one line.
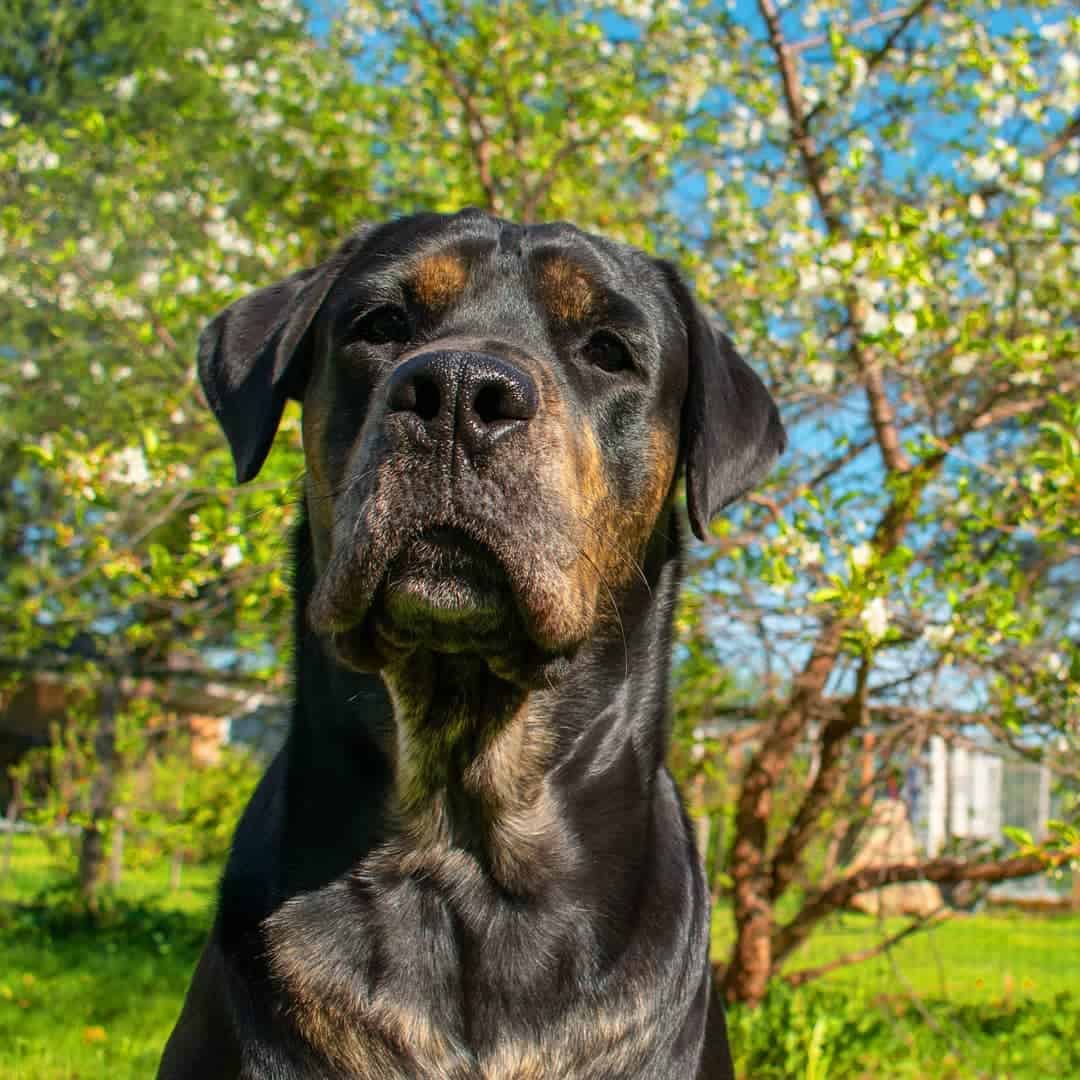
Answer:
[(255, 355), (731, 428)]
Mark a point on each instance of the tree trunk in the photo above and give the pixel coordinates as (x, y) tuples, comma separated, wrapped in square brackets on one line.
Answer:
[(92, 852), (750, 966), (116, 855)]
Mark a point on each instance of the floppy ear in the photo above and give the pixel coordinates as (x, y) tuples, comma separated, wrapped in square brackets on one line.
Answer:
[(731, 428), (256, 353)]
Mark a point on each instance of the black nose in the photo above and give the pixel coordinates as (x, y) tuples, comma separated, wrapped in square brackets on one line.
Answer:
[(470, 397)]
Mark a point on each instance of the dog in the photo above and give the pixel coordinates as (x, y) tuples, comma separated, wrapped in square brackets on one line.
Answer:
[(469, 861)]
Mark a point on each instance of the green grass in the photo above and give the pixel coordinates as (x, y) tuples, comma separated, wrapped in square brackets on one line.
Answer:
[(36, 864), (990, 995), (967, 959), (80, 999)]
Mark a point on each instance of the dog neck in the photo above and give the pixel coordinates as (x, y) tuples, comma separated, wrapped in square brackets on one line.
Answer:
[(459, 763)]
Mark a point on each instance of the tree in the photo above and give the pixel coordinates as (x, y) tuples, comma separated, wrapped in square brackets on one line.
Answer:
[(871, 197)]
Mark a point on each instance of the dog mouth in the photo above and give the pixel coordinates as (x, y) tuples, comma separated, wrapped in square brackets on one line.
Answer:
[(442, 590), (444, 586)]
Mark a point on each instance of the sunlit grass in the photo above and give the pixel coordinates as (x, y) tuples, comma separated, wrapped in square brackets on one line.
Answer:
[(967, 958), (974, 998)]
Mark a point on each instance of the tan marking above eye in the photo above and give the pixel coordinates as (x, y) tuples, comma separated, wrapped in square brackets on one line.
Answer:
[(440, 279), (566, 290)]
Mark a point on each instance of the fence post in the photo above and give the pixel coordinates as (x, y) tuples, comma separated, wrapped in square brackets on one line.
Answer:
[(92, 840), (12, 817)]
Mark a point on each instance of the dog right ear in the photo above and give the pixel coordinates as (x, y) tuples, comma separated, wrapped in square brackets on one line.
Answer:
[(256, 354)]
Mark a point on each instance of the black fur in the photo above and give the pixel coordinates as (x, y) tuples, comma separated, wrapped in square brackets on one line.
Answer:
[(469, 859)]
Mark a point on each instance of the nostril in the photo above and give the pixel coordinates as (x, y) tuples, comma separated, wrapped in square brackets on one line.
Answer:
[(489, 403), (427, 399)]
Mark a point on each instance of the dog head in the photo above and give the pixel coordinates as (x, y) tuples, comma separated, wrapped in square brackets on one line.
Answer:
[(494, 418)]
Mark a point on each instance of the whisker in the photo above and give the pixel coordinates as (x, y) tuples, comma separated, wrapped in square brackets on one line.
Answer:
[(615, 608), (345, 486), (623, 553)]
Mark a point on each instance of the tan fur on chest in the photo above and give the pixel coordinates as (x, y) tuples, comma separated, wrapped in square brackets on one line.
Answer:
[(375, 1037)]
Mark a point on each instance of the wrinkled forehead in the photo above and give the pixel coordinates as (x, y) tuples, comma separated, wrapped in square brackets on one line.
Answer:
[(551, 274)]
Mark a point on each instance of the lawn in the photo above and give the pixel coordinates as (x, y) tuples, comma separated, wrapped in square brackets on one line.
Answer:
[(990, 995), (968, 959)]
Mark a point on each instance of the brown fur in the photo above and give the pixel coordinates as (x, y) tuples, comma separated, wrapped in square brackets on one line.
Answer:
[(566, 290), (440, 279)]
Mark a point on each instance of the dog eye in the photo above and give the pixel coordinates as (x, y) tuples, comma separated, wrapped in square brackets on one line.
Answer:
[(607, 352), (380, 327)]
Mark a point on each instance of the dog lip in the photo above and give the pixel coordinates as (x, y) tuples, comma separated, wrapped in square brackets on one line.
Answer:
[(441, 571), (446, 580)]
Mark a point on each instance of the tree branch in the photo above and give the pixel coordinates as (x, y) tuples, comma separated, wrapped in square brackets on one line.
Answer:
[(881, 410), (829, 776), (804, 142), (476, 130), (805, 975), (951, 870), (880, 53), (1059, 142), (855, 28)]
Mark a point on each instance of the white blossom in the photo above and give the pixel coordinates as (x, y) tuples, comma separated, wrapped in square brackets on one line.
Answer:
[(231, 556), (31, 156), (872, 289), (822, 374), (939, 636), (859, 71), (640, 128), (905, 324), (1026, 378), (842, 252), (29, 370), (861, 555), (875, 321), (128, 467), (875, 617), (125, 88), (1043, 219), (963, 363), (810, 553), (1056, 666)]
